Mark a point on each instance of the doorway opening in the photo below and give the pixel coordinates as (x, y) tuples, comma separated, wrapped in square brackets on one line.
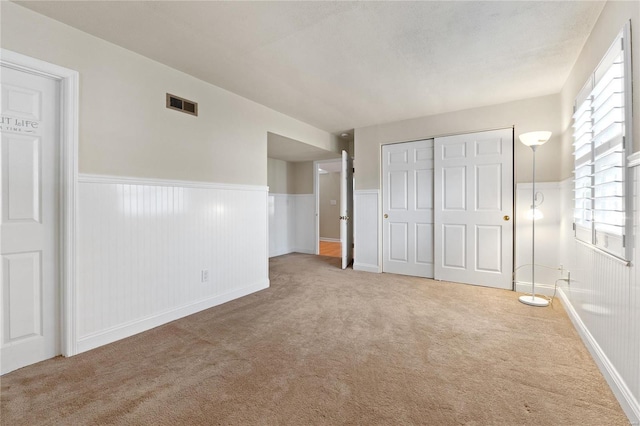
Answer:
[(293, 207), (337, 195), (328, 175)]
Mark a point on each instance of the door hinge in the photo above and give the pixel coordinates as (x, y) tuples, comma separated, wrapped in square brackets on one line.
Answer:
[(624, 241), (353, 170)]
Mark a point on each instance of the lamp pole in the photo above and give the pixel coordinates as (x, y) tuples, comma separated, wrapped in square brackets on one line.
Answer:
[(533, 140)]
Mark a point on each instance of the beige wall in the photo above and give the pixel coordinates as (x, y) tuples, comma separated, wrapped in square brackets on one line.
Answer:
[(611, 20), (278, 176), (125, 129), (542, 113), (329, 185), (286, 177), (302, 178)]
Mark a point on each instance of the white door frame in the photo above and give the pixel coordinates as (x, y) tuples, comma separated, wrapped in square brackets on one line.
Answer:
[(316, 191), (69, 99)]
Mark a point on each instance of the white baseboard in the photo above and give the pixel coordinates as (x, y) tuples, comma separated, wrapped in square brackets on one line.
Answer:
[(545, 289), (281, 252), (330, 240), (303, 250), (366, 267), (625, 397), (104, 337)]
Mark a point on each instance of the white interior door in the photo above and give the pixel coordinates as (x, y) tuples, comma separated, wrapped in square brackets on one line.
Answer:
[(407, 191), (29, 238), (474, 208), (346, 209)]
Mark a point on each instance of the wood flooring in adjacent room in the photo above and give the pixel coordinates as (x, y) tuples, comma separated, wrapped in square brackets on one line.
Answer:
[(330, 248), (324, 346)]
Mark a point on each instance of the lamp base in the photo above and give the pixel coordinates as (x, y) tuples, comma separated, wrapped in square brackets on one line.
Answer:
[(532, 300)]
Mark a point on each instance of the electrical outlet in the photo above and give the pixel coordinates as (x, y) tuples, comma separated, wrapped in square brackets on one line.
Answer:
[(568, 279), (204, 276)]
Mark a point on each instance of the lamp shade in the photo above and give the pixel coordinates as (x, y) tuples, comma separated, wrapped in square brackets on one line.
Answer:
[(535, 138)]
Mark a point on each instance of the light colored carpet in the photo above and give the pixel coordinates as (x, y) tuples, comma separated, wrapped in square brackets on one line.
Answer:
[(325, 346)]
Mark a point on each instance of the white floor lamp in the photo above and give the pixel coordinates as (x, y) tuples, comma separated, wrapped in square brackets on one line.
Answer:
[(534, 140)]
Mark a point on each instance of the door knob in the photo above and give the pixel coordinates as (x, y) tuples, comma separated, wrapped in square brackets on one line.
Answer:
[(386, 216), (506, 217)]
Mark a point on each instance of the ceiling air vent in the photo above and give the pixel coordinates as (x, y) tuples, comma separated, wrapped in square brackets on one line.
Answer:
[(181, 104)]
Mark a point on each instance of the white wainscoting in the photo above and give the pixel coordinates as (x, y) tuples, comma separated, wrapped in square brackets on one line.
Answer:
[(366, 231), (305, 238), (143, 243), (282, 226), (603, 301), (547, 238), (291, 224)]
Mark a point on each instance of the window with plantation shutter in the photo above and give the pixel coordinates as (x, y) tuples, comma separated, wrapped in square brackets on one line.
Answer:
[(601, 140)]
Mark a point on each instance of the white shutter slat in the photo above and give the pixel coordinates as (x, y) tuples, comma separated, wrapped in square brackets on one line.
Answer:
[(614, 100), (610, 203), (613, 117), (611, 82), (612, 174)]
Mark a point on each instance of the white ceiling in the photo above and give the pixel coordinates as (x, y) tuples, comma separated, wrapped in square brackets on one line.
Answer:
[(344, 65), (332, 166)]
